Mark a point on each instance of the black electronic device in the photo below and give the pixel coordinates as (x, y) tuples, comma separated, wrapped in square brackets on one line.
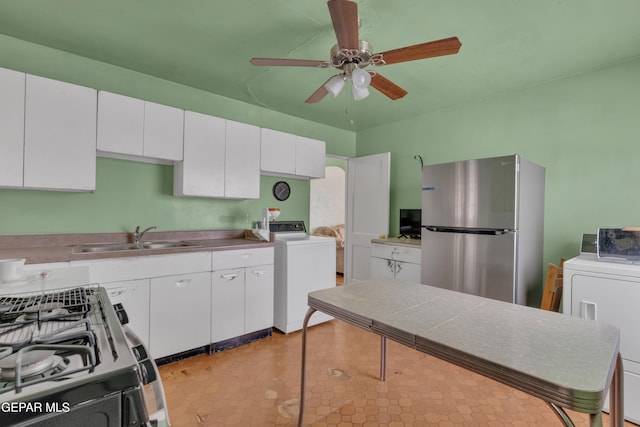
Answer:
[(410, 221)]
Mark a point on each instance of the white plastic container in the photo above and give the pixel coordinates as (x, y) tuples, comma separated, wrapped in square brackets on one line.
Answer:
[(11, 269)]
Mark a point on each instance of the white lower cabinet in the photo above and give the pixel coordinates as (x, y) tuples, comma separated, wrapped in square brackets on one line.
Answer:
[(181, 302), (258, 303), (180, 313), (241, 301), (227, 302), (382, 268), (242, 293), (389, 261), (134, 297)]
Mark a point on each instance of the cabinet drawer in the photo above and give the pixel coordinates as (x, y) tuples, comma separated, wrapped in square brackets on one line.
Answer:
[(141, 267), (396, 252), (242, 258)]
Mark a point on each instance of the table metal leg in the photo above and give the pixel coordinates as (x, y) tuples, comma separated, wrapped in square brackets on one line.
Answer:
[(304, 363), (383, 358), (595, 420), (561, 414), (616, 397)]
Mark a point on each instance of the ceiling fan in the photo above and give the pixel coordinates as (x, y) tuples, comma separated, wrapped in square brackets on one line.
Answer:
[(351, 55)]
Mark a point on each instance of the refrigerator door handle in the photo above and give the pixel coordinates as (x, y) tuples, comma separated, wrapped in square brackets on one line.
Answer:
[(488, 231)]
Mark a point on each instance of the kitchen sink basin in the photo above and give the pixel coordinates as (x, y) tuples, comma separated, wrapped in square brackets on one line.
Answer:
[(113, 247), (167, 244)]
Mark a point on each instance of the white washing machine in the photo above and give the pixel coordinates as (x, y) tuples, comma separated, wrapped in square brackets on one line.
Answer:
[(302, 264)]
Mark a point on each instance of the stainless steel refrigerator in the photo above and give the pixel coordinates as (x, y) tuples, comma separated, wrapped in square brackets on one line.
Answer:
[(482, 227)]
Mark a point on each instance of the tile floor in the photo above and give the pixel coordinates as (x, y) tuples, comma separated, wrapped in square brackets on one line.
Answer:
[(257, 384)]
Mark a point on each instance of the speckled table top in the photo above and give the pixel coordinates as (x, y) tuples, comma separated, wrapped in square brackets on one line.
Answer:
[(564, 360)]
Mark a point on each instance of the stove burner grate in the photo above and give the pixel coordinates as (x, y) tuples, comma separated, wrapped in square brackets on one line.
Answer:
[(39, 333)]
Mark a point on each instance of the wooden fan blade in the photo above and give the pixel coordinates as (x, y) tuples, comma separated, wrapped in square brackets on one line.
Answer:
[(432, 49), (344, 15), (284, 62), (387, 87), (319, 94)]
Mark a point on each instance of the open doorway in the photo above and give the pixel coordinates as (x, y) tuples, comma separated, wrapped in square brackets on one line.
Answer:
[(327, 211)]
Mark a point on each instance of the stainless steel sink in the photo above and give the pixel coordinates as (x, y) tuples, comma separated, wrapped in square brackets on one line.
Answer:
[(167, 244), (112, 247)]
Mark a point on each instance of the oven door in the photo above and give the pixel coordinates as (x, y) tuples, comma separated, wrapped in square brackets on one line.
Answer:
[(152, 390), (154, 400)]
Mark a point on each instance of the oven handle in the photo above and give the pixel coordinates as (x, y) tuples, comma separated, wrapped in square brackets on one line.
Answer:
[(161, 416)]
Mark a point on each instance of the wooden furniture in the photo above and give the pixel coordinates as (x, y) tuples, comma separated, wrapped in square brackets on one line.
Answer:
[(565, 361), (552, 293)]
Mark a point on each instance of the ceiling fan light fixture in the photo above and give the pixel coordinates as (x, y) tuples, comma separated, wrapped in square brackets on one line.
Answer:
[(360, 78), (335, 84), (359, 93)]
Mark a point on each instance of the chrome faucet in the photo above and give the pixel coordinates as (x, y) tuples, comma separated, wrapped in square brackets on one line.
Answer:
[(137, 235)]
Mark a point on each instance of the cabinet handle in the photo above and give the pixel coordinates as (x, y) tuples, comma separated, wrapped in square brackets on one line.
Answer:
[(588, 310), (116, 292), (182, 283), (229, 276), (390, 265), (259, 272)]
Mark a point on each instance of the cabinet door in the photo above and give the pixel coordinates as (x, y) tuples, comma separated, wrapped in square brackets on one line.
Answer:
[(180, 308), (12, 86), (60, 135), (120, 124), (310, 157), (277, 152), (381, 268), (201, 173), (163, 131), (242, 171), (407, 271), (134, 297), (227, 304), (258, 307)]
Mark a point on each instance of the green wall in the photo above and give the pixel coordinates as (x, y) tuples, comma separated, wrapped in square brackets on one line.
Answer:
[(131, 193), (584, 129)]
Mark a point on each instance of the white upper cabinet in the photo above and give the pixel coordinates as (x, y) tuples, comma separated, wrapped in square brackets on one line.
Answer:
[(163, 131), (139, 130), (202, 172), (277, 152), (120, 124), (242, 161), (221, 159), (12, 84), (285, 154), (59, 135), (310, 157)]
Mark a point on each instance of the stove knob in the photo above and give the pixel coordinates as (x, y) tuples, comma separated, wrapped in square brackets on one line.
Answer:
[(121, 313)]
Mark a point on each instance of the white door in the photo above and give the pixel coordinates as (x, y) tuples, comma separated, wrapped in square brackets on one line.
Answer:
[(368, 183)]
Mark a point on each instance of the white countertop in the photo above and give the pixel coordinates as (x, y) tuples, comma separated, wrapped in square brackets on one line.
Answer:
[(398, 241)]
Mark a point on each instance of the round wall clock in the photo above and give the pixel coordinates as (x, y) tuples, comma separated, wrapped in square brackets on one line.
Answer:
[(281, 190)]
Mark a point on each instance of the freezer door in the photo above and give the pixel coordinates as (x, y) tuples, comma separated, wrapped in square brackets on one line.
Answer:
[(474, 193), (478, 264)]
